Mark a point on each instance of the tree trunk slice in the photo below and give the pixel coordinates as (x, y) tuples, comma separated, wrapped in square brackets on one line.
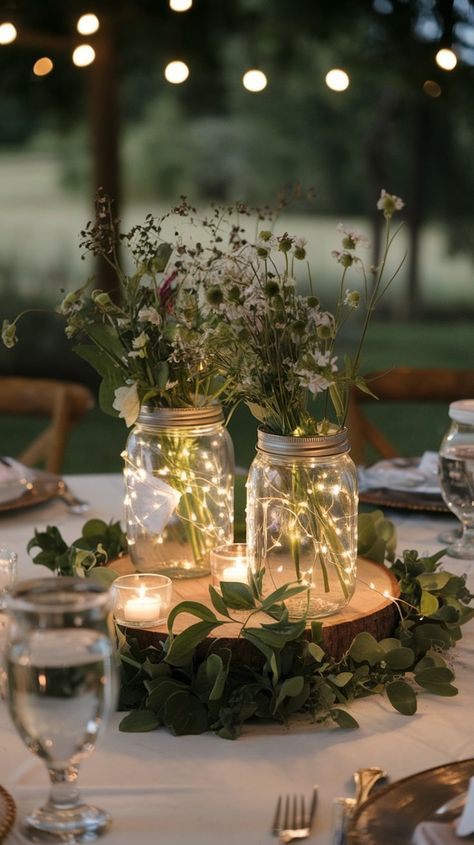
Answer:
[(371, 609)]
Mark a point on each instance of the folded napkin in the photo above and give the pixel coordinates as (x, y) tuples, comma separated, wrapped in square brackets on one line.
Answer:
[(449, 833), (13, 477), (420, 476)]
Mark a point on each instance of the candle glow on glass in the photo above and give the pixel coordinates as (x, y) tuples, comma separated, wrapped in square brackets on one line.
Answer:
[(143, 607), (237, 572), (180, 5), (7, 33)]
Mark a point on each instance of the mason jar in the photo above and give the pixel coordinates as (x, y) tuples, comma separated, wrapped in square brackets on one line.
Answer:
[(302, 519), (456, 473), (179, 474)]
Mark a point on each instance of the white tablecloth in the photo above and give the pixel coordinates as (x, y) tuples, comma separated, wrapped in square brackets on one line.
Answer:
[(203, 789)]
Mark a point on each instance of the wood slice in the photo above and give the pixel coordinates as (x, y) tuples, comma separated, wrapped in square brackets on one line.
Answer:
[(371, 609)]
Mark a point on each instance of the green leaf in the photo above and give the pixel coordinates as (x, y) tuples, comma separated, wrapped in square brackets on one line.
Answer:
[(161, 257), (257, 411), (316, 652), (343, 718), (185, 714), (196, 609), (183, 645), (428, 603), (103, 575), (400, 659), (402, 697), (218, 601), (217, 675), (434, 675), (290, 688), (433, 580), (161, 689), (282, 594), (365, 647), (429, 635), (138, 721), (342, 678), (95, 528), (237, 596)]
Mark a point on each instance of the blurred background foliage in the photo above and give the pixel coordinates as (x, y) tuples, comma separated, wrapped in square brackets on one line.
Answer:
[(215, 141)]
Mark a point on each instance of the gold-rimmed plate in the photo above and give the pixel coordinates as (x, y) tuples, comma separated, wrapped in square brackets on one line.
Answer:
[(7, 813), (391, 815), (40, 488)]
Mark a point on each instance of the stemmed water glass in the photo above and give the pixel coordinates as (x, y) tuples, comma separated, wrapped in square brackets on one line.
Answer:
[(61, 689)]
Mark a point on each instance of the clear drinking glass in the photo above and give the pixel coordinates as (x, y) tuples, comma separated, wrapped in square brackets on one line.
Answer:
[(456, 472), (61, 689)]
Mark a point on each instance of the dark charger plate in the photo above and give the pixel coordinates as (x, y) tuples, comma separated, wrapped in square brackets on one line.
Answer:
[(404, 499), (391, 815)]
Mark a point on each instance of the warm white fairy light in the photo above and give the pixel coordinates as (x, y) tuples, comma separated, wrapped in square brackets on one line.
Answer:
[(8, 33), (446, 59), (337, 79), (83, 55), (180, 5), (254, 80), (88, 24), (176, 72), (42, 66)]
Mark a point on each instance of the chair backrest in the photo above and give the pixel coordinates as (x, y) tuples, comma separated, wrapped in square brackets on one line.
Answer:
[(403, 384), (64, 403)]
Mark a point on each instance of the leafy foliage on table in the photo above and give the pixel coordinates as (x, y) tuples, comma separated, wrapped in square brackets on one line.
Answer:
[(189, 686), (87, 556)]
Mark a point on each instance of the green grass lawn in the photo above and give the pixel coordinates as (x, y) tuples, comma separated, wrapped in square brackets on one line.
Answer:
[(96, 444)]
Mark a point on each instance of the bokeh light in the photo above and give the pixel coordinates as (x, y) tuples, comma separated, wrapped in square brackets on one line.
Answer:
[(42, 66), (446, 59), (83, 55), (88, 24), (337, 79), (431, 88), (180, 5), (254, 80), (176, 72), (7, 33)]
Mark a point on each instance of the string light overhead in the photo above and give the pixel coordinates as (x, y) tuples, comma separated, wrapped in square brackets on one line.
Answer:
[(254, 80), (176, 72), (88, 24), (7, 33), (43, 66), (446, 59), (180, 5), (83, 55), (431, 88), (337, 79)]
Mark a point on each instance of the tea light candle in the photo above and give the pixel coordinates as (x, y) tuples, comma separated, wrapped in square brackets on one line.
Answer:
[(142, 608), (237, 572), (141, 600), (229, 563)]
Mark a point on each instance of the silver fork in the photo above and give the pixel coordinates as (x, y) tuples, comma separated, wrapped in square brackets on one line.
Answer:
[(291, 820)]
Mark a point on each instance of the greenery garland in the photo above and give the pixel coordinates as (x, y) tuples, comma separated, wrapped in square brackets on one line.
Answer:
[(190, 686)]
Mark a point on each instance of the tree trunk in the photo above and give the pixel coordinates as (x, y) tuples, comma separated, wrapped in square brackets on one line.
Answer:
[(104, 130)]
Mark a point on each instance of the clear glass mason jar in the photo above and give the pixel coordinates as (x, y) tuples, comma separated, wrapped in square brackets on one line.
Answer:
[(456, 473), (179, 473), (302, 519)]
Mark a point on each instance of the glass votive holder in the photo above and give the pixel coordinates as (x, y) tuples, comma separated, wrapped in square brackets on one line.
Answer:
[(142, 600), (229, 563), (8, 561)]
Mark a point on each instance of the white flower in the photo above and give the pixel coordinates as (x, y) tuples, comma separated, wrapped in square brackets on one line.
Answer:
[(139, 344), (315, 382), (126, 402), (352, 237), (352, 298), (389, 203), (149, 315)]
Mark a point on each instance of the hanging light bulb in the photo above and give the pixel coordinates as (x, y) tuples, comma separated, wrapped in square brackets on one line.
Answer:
[(8, 33), (254, 80), (43, 66), (83, 55), (180, 5), (446, 59), (176, 72), (337, 79), (88, 24)]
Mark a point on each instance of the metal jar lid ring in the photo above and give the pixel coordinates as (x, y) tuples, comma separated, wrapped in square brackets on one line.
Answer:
[(318, 446)]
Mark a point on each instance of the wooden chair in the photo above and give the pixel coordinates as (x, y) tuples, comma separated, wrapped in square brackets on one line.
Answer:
[(64, 403), (403, 384)]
